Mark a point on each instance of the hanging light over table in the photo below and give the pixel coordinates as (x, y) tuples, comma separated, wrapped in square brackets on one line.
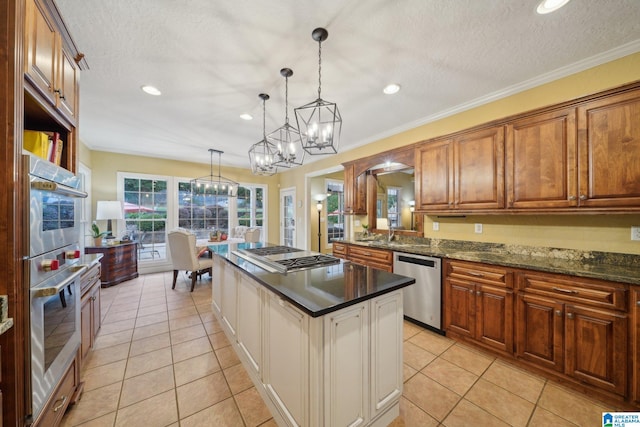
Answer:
[(263, 154), (215, 185), (287, 138), (319, 121)]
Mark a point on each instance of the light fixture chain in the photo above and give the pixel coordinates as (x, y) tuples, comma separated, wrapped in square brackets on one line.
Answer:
[(264, 119), (319, 67), (286, 99)]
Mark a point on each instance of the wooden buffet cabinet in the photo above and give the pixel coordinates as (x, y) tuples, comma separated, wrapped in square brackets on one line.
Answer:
[(119, 262), (583, 332)]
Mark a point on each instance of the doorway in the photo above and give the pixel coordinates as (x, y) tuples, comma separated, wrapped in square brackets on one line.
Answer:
[(288, 217)]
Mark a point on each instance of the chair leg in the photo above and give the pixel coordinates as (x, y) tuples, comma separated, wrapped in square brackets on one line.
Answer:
[(62, 298), (194, 277), (175, 277)]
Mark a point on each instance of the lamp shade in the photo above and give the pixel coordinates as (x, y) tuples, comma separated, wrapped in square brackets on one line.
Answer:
[(109, 209)]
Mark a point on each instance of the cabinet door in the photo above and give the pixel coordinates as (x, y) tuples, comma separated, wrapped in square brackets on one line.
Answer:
[(459, 299), (609, 146), (434, 175), (250, 322), (596, 347), (217, 277), (86, 329), (230, 298), (541, 169), (67, 85), (635, 342), (346, 342), (40, 50), (386, 351), (355, 191), (539, 331), (494, 317), (479, 169), (286, 365)]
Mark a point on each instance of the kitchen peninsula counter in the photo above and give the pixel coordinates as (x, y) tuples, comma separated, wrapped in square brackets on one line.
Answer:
[(323, 346)]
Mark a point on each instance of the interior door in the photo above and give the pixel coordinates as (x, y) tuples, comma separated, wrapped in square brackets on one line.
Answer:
[(288, 217)]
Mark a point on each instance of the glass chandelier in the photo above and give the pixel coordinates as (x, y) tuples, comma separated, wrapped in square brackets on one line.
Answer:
[(319, 121), (263, 154), (214, 185), (287, 138)]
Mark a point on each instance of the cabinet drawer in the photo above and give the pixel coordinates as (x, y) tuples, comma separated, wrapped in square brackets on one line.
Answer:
[(480, 273), (587, 291), (339, 250), (368, 254), (90, 277), (57, 405)]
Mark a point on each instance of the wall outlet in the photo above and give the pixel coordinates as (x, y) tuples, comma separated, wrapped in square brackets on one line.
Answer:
[(478, 228), (357, 223), (635, 232), (436, 226)]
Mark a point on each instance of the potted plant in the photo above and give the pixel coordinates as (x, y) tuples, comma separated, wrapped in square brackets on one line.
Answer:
[(97, 234), (365, 230)]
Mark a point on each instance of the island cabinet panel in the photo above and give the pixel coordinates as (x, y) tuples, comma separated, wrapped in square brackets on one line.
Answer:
[(386, 360), (609, 147), (286, 373), (229, 297), (575, 326), (479, 304), (249, 337), (347, 342), (541, 165)]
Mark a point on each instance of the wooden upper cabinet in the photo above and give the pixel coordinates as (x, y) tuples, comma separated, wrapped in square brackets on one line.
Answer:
[(462, 173), (609, 147), (434, 175), (355, 191), (49, 67), (41, 44), (541, 165), (479, 169)]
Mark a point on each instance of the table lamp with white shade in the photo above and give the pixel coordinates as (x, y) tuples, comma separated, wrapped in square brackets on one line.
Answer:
[(109, 210)]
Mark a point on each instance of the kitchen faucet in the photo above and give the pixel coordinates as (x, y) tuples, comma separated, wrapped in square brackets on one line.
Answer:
[(391, 234)]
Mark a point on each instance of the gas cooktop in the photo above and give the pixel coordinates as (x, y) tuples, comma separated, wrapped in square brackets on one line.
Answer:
[(281, 259)]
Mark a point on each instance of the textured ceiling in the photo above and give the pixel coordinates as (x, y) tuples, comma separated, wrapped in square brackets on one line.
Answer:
[(211, 59)]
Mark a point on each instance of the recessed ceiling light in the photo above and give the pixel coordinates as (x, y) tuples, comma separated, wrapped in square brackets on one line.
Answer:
[(548, 6), (391, 89), (246, 116), (151, 90)]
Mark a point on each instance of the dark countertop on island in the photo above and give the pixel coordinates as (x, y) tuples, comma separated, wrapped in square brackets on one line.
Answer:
[(322, 290), (616, 267)]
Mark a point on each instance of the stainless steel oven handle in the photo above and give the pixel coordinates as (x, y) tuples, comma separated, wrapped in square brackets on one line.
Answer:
[(54, 290), (57, 188)]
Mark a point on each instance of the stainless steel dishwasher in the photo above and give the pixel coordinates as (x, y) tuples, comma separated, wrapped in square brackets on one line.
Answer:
[(423, 299)]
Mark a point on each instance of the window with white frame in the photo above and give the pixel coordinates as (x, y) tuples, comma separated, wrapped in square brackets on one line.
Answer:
[(202, 212), (393, 206), (250, 206)]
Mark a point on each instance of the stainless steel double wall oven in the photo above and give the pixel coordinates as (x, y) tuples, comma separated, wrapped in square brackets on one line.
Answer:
[(53, 268)]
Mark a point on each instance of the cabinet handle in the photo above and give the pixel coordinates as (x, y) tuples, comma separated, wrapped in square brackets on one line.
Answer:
[(59, 92), (583, 197), (366, 253), (569, 315), (470, 291), (559, 313), (475, 274), (566, 291), (638, 303), (479, 293), (572, 198), (57, 408)]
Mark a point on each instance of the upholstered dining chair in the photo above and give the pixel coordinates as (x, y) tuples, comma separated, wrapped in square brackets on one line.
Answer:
[(184, 256), (252, 235)]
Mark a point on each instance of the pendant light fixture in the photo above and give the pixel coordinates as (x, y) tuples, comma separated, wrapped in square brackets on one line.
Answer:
[(319, 121), (263, 154), (287, 138), (214, 185)]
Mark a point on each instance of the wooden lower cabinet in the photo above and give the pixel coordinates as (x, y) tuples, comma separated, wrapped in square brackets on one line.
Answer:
[(55, 408), (479, 304), (364, 255), (635, 345), (90, 317)]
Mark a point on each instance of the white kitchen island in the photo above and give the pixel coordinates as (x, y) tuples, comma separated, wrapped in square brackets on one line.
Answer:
[(323, 346)]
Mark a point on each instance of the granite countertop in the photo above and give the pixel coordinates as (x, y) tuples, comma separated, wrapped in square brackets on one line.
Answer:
[(624, 268), (322, 290)]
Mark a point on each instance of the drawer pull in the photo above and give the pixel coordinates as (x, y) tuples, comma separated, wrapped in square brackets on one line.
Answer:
[(479, 293), (63, 399), (559, 313), (566, 291), (476, 274), (471, 291), (638, 303), (570, 315), (366, 253)]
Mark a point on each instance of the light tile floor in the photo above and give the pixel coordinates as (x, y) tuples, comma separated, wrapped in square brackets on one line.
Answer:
[(161, 359)]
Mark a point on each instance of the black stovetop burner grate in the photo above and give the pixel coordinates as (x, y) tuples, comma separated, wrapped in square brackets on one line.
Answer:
[(272, 250), (307, 261)]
